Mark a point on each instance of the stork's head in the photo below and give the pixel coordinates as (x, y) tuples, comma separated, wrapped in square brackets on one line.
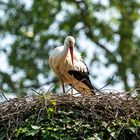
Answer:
[(69, 43)]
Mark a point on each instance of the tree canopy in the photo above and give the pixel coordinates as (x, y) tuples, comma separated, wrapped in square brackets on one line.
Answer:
[(36, 28)]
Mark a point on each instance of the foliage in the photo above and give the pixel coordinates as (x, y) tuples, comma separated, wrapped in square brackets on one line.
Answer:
[(66, 124), (38, 27)]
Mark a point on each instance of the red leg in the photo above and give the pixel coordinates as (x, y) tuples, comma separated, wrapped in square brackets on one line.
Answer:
[(63, 87)]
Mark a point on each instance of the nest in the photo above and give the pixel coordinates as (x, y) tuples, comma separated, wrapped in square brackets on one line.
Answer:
[(105, 107)]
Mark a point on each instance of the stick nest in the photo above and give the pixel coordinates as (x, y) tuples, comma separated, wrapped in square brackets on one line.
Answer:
[(105, 107)]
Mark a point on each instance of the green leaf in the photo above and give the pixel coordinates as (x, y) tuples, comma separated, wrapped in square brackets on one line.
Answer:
[(35, 127), (135, 122), (50, 109), (53, 102)]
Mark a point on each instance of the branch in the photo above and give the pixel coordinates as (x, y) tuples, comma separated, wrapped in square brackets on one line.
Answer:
[(84, 13), (96, 41)]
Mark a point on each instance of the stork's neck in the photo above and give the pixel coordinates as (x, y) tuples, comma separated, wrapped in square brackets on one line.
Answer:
[(63, 54), (65, 51)]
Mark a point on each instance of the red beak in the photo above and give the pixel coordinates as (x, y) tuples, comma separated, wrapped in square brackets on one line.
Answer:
[(71, 53)]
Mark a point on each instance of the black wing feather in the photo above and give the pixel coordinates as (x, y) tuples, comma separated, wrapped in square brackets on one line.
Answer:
[(81, 76)]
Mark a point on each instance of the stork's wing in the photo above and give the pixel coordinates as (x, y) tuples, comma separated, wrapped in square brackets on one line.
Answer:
[(82, 77), (80, 71)]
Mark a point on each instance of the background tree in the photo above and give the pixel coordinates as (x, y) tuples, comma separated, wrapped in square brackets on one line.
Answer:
[(36, 28)]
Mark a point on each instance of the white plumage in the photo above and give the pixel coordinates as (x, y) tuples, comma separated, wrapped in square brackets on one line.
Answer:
[(70, 68)]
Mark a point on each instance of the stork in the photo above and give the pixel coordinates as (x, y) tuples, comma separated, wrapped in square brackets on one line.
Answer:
[(70, 68)]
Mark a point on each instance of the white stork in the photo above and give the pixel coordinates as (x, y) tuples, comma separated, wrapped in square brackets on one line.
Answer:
[(70, 68)]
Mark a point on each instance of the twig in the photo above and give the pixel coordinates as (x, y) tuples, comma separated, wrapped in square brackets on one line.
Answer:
[(35, 91), (107, 83), (4, 96)]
